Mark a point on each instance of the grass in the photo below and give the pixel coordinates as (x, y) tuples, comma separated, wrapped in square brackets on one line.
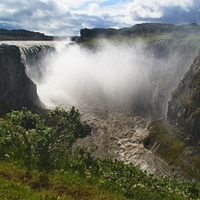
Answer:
[(38, 161), (14, 185), (59, 184), (70, 184)]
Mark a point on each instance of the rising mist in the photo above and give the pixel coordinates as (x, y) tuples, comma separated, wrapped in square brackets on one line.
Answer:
[(136, 77)]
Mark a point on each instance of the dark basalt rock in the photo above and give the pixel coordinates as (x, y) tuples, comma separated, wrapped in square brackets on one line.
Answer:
[(184, 105), (16, 89), (97, 32)]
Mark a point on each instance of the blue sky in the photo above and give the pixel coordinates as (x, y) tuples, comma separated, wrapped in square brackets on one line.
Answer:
[(67, 17)]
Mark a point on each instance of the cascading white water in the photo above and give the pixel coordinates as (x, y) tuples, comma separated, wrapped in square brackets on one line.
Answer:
[(119, 75), (125, 76)]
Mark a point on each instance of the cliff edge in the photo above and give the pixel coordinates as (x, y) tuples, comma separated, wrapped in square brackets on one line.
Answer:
[(16, 89)]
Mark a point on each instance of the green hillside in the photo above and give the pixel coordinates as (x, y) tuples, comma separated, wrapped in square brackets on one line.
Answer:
[(22, 35), (38, 161)]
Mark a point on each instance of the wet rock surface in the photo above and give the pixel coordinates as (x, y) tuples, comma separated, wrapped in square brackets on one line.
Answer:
[(184, 104), (16, 89)]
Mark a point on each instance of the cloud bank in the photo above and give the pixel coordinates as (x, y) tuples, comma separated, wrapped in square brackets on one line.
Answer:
[(66, 18)]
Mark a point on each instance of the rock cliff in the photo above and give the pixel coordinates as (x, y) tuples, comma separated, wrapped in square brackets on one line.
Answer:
[(16, 89), (184, 105), (178, 138)]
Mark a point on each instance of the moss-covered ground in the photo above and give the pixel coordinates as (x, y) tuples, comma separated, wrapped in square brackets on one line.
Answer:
[(176, 148)]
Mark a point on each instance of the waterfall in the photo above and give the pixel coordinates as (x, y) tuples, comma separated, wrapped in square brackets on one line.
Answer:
[(136, 77), (33, 57)]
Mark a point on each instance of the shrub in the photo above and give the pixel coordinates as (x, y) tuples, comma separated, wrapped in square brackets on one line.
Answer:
[(40, 142)]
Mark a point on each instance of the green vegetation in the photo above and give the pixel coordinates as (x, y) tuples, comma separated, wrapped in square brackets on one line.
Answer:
[(185, 101), (176, 148), (175, 39), (176, 36), (170, 147), (39, 161)]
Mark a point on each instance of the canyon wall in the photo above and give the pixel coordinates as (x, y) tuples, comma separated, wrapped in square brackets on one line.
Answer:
[(16, 88), (184, 104)]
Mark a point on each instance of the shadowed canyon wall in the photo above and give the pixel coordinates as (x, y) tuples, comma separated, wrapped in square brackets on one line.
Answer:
[(16, 88), (184, 104)]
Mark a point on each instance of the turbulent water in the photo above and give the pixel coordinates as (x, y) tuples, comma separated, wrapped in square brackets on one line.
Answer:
[(118, 134), (112, 88)]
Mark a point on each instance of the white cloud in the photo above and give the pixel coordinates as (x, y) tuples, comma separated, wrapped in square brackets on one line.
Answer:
[(144, 11), (155, 8), (61, 17), (94, 9), (171, 3), (165, 3)]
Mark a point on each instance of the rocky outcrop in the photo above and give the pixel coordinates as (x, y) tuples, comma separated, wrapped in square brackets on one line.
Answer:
[(184, 105), (16, 89), (136, 30), (97, 32)]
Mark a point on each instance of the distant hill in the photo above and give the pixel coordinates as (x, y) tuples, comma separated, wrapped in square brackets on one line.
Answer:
[(139, 30), (22, 35)]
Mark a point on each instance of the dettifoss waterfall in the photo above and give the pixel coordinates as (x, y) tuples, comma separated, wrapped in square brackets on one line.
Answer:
[(117, 88)]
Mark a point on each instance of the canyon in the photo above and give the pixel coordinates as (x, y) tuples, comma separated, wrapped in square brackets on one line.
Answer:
[(152, 75)]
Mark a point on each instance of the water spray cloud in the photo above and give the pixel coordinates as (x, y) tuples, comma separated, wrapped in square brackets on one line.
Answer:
[(129, 76)]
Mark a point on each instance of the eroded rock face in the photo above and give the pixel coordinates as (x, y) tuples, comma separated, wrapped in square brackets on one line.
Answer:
[(16, 89), (184, 105)]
